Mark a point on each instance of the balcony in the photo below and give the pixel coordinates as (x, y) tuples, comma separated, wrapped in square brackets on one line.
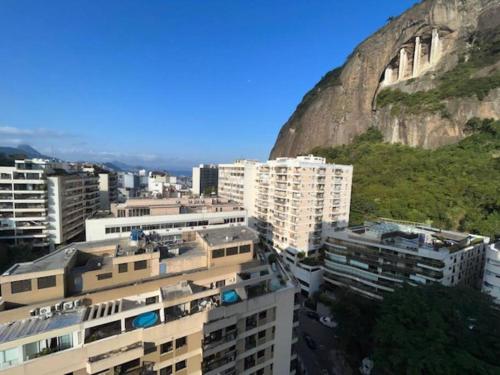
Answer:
[(114, 358)]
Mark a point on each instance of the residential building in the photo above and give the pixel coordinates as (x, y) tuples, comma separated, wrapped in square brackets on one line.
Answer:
[(172, 206), (379, 257), (491, 281), (43, 204), (205, 179), (72, 198), (108, 189), (108, 308), (128, 185), (298, 201), (167, 226), (237, 182)]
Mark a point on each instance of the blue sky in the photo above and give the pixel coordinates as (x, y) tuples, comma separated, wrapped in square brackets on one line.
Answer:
[(168, 83)]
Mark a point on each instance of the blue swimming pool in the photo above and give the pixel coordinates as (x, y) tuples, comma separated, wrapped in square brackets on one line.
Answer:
[(145, 320), (230, 296)]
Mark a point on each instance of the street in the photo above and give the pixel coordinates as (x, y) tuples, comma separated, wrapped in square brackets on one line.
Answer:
[(324, 359)]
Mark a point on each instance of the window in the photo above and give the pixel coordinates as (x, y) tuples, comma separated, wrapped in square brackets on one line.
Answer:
[(231, 251), (180, 365), (123, 267), (218, 253), (104, 276), (20, 286), (263, 315), (244, 249), (166, 347), (180, 342), (166, 370), (140, 265), (260, 353), (46, 282), (262, 334), (220, 283)]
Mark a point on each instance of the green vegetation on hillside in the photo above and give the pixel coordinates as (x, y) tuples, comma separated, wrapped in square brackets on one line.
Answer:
[(437, 330), (455, 187), (457, 83)]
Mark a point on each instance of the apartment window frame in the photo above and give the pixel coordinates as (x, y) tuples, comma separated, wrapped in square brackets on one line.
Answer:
[(167, 347), (181, 365), (123, 267), (180, 342), (104, 276), (21, 286), (245, 249), (218, 253), (45, 282), (140, 265), (232, 251)]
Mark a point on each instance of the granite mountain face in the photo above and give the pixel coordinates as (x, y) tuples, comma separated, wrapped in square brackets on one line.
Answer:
[(418, 80)]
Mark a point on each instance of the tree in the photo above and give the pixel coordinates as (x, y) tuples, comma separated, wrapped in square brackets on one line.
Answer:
[(437, 330)]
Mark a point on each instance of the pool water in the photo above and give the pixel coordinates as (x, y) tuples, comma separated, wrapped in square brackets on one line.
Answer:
[(145, 320), (230, 296)]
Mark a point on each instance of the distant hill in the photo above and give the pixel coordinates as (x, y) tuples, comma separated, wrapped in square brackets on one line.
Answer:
[(119, 166), (22, 151)]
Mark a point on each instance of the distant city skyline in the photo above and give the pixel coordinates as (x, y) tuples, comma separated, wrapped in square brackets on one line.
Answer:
[(168, 84)]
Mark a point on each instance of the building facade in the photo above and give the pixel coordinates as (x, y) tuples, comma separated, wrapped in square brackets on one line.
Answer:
[(37, 196), (237, 183), (205, 179), (491, 281), (167, 226), (234, 315), (378, 257), (108, 189), (172, 206)]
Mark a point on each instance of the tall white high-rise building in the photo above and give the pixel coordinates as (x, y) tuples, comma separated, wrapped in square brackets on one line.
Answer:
[(293, 203)]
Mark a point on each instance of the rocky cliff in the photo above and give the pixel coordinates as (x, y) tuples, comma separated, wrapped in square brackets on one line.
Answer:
[(418, 79)]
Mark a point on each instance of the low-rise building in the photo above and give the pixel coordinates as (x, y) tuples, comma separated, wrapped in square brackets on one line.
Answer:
[(378, 257), (230, 315), (166, 226), (172, 206), (491, 281)]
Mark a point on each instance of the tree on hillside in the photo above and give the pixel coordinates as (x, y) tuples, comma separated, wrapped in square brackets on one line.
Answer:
[(437, 330)]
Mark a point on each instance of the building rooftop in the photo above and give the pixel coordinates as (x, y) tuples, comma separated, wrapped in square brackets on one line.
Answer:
[(34, 325), (58, 259), (220, 236), (412, 236)]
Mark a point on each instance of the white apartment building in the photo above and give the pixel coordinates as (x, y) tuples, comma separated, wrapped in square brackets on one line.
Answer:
[(491, 281), (237, 183), (378, 257), (42, 204), (293, 203), (169, 227)]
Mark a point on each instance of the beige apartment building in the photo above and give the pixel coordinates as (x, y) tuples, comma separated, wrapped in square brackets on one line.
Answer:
[(43, 204), (210, 304), (172, 206)]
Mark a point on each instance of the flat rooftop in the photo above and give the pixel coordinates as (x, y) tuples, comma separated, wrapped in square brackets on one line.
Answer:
[(221, 236), (412, 235)]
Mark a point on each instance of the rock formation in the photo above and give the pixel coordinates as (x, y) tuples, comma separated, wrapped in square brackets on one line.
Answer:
[(419, 63)]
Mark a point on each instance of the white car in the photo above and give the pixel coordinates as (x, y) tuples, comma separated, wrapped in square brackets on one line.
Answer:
[(327, 321)]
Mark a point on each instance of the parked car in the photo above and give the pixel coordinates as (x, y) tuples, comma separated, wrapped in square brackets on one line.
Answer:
[(310, 342), (312, 315), (327, 322)]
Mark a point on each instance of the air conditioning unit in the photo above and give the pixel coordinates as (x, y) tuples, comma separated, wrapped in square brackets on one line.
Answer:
[(48, 315), (77, 303), (68, 305), (45, 310), (58, 306)]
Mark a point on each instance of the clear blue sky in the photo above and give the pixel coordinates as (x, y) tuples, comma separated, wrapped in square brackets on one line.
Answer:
[(168, 83)]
